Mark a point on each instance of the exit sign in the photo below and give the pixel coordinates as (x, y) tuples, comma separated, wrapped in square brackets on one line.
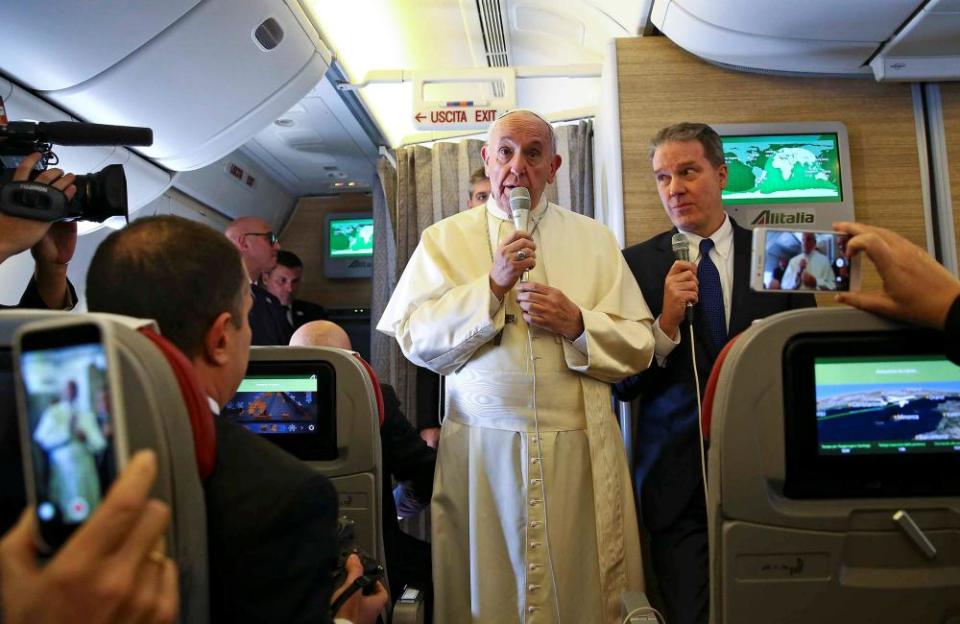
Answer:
[(455, 116)]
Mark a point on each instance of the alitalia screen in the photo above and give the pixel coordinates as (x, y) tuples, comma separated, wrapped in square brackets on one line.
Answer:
[(887, 405), (782, 169)]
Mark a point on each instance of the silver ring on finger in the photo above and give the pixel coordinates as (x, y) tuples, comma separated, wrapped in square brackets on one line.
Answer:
[(521, 255)]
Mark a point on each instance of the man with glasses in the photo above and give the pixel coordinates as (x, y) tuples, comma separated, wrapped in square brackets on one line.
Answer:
[(258, 247)]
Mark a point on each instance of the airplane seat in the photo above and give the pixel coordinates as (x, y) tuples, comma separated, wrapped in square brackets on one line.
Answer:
[(833, 494), (156, 417), (324, 406), (709, 393)]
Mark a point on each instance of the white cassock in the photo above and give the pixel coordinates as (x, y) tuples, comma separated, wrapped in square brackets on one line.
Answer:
[(506, 546), (817, 265), (74, 484)]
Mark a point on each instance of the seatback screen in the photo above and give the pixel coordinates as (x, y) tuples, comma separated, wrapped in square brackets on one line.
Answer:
[(292, 404), (275, 404), (897, 405)]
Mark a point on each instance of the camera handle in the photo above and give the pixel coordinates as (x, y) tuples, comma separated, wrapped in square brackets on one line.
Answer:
[(29, 200)]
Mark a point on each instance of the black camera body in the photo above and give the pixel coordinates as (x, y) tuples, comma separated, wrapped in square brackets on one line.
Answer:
[(99, 195)]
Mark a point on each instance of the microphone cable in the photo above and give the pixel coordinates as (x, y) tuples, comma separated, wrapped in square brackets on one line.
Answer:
[(696, 385)]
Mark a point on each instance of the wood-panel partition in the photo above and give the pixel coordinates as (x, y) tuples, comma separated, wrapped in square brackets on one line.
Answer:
[(661, 84), (950, 97), (303, 235)]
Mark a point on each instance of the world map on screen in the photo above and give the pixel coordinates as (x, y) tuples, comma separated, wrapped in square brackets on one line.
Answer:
[(782, 169)]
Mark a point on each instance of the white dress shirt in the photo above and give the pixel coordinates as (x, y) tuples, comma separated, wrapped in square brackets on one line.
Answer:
[(722, 256)]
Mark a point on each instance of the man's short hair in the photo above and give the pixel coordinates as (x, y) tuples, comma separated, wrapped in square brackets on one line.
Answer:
[(289, 259), (179, 272), (688, 131), (478, 176)]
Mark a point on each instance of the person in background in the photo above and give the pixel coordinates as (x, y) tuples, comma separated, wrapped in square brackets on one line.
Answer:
[(406, 459), (258, 247), (283, 282), (479, 188)]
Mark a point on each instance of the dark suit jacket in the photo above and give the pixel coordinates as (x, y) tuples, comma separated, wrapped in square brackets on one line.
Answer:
[(306, 311), (667, 455), (268, 319), (272, 533), (408, 459)]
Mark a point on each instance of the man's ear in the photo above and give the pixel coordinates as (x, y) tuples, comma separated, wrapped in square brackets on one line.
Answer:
[(554, 165), (216, 341)]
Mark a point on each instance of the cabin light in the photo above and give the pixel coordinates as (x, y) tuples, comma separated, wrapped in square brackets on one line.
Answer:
[(338, 184), (351, 183), (284, 122)]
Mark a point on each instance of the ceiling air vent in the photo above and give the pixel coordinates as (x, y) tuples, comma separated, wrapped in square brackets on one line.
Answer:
[(495, 43), (269, 34)]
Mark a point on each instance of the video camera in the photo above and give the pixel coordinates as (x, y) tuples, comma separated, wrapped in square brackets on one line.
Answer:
[(99, 196)]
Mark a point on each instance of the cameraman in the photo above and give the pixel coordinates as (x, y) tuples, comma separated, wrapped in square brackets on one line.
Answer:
[(51, 244)]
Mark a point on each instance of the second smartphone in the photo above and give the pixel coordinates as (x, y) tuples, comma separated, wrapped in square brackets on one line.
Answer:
[(802, 260)]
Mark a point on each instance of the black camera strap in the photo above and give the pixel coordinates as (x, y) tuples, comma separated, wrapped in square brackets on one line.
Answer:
[(30, 200)]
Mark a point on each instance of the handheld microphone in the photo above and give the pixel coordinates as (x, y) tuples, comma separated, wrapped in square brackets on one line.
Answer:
[(681, 251), (520, 207), (520, 211)]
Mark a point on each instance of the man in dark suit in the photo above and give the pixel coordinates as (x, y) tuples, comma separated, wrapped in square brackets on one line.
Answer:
[(271, 520), (282, 282), (690, 171), (258, 247)]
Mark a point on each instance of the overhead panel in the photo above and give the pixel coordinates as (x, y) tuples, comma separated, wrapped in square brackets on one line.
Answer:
[(821, 36), (62, 43), (825, 20), (927, 48), (206, 83)]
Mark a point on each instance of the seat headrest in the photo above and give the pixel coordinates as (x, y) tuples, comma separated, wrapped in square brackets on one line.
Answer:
[(706, 410), (198, 409), (376, 386)]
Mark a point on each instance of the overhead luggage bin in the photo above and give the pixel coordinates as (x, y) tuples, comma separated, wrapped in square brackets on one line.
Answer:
[(205, 83)]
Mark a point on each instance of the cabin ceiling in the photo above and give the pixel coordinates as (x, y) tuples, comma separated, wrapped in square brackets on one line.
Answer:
[(319, 146), (372, 35)]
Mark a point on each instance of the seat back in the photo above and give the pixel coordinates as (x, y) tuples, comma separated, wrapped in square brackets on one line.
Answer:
[(157, 418), (833, 554), (353, 459)]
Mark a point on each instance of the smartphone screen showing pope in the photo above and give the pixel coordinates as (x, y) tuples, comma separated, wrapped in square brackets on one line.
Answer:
[(69, 427), (802, 260)]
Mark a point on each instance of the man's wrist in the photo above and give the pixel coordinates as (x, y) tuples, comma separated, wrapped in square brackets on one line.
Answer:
[(497, 290)]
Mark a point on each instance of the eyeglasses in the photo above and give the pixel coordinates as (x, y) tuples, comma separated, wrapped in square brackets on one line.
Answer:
[(271, 237)]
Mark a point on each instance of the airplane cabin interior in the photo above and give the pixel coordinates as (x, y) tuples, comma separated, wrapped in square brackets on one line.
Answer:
[(350, 128)]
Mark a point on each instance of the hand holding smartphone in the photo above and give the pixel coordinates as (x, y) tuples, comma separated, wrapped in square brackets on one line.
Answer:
[(73, 441), (802, 260)]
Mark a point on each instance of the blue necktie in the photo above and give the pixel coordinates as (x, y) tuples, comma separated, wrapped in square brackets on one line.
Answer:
[(711, 298)]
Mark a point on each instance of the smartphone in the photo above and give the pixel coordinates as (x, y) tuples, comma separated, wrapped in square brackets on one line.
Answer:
[(802, 260), (73, 441)]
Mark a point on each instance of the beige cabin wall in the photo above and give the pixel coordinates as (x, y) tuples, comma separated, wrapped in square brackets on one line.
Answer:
[(303, 235), (950, 98), (661, 84)]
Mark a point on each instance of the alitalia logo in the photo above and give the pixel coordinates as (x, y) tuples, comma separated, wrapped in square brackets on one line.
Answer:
[(769, 217)]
